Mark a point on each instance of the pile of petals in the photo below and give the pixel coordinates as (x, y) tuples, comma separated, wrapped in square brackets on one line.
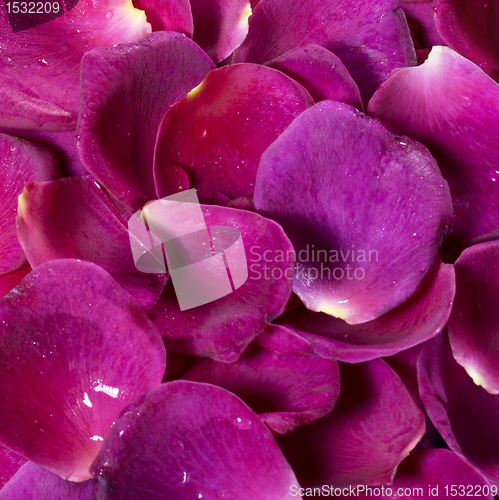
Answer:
[(354, 146)]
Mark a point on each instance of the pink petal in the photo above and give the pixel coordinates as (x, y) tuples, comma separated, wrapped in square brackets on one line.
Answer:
[(10, 463)]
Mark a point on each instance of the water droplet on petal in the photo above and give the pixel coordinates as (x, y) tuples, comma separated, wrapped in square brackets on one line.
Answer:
[(180, 444), (494, 175), (109, 15), (172, 179), (201, 130)]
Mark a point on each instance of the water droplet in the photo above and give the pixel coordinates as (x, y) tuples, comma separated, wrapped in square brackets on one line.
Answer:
[(201, 130), (109, 15), (173, 179), (67, 234), (494, 175), (180, 444), (36, 344), (43, 62), (243, 423)]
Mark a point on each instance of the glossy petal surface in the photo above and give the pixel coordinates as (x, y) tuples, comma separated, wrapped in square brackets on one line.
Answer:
[(450, 105), (416, 320), (10, 463), (320, 72), (218, 133), (464, 413), (175, 15), (74, 218), (186, 440), (40, 66), (366, 212), (20, 162), (224, 328), (75, 349), (372, 428), (10, 280), (371, 38), (279, 378), (118, 123)]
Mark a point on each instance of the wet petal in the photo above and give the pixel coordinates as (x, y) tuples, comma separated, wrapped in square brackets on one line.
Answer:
[(76, 349), (464, 413), (20, 162), (10, 280), (374, 425), (450, 105), (40, 66), (320, 72), (371, 38), (279, 378), (10, 463), (416, 320), (224, 328), (74, 218), (366, 212), (421, 11), (118, 123), (187, 440), (218, 133), (176, 15), (36, 483), (471, 28), (220, 25)]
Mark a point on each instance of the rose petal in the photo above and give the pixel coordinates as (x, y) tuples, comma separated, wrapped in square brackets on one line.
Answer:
[(320, 72), (10, 463), (450, 105), (279, 378), (39, 67), (186, 440), (75, 350), (464, 413), (118, 123), (366, 212), (224, 328), (416, 320), (372, 428), (20, 162), (218, 133), (371, 38)]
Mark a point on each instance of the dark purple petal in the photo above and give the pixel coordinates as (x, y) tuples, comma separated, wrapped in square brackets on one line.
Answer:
[(20, 162), (220, 25), (416, 320), (470, 27), (75, 350), (218, 133), (464, 413), (421, 11), (320, 72), (36, 483), (10, 280), (450, 105), (118, 123), (371, 38), (39, 67), (75, 218), (10, 463), (186, 440), (366, 212), (374, 425), (176, 15), (279, 378), (224, 328)]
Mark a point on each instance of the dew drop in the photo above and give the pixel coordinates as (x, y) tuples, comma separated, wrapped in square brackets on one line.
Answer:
[(201, 130), (43, 62), (180, 444), (243, 423), (494, 175), (109, 15)]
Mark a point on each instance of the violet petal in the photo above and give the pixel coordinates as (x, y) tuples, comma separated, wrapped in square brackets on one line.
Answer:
[(366, 212), (218, 133), (187, 440), (10, 280), (279, 378), (176, 15), (76, 349), (421, 11), (118, 123), (450, 105), (374, 425), (10, 463)]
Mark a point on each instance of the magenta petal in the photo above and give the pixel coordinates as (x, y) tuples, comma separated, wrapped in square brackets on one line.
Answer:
[(74, 218), (470, 27), (118, 123), (366, 212), (75, 350), (36, 483), (176, 15), (421, 11), (371, 38), (450, 105), (475, 315), (218, 133), (186, 440), (374, 425), (10, 280), (220, 25), (464, 413), (224, 328), (10, 463), (279, 378), (39, 67), (20, 162), (420, 318), (320, 72)]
